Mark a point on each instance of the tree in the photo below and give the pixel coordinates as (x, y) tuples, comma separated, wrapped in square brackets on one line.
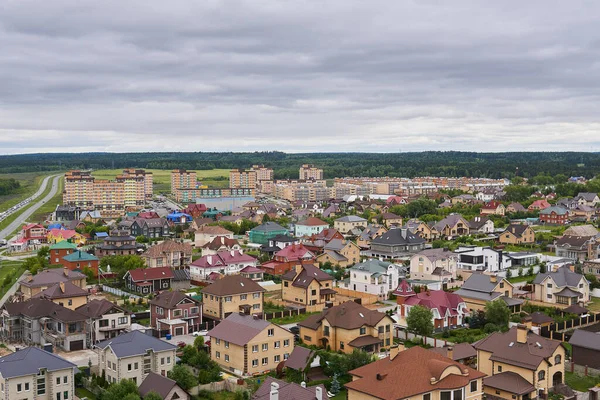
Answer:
[(420, 320), (43, 252), (520, 271), (183, 376), (497, 313), (121, 391), (199, 342), (508, 274), (152, 396), (543, 268), (335, 385)]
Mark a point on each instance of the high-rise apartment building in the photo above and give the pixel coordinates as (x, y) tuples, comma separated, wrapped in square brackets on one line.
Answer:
[(79, 189), (242, 178), (309, 171), (147, 177), (263, 173), (183, 179)]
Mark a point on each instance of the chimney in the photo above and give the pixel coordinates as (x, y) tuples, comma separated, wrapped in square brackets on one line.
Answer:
[(395, 350), (62, 286), (319, 393), (450, 352), (232, 253), (274, 394), (303, 384), (209, 259), (66, 271), (493, 278), (381, 377), (522, 333)]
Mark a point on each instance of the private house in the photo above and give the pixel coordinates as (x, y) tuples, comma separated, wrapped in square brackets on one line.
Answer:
[(310, 226), (276, 389), (66, 213), (463, 199), (307, 285), (341, 253), (262, 233), (207, 233), (58, 235), (32, 285), (427, 231), (175, 313), (246, 345), (346, 327), (151, 228), (434, 265), (279, 242), (195, 210), (59, 250), (348, 223), (39, 322), (389, 219), (577, 248), (33, 234), (562, 287), (253, 273), (451, 226), (517, 234), (134, 355), (165, 387), (592, 267), (92, 216), (582, 213), (588, 199), (494, 208), (105, 320), (294, 253), (585, 348), (480, 288), (449, 309), (520, 364), (538, 205), (481, 225), (224, 262), (168, 254), (327, 235), (219, 244), (475, 258), (118, 243), (426, 374), (515, 208), (582, 230), (396, 243), (554, 215), (368, 234), (464, 353), (231, 294), (148, 280), (33, 373), (65, 294), (81, 261), (373, 277)]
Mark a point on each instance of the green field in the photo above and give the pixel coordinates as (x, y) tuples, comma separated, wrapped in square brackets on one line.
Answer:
[(14, 269), (162, 177), (42, 213), (30, 182)]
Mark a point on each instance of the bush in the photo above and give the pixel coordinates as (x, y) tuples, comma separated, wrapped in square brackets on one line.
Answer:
[(445, 334), (490, 327)]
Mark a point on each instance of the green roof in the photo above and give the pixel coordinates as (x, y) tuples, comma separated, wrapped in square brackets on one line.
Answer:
[(63, 245), (80, 256)]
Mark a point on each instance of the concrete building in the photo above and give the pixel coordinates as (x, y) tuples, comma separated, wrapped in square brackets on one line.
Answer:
[(242, 178), (309, 171)]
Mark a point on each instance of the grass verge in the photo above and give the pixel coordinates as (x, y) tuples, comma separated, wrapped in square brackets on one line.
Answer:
[(594, 305), (83, 392), (12, 270), (49, 207), (30, 182), (292, 319), (580, 383)]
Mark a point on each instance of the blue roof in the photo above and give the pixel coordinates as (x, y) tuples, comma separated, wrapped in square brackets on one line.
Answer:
[(101, 234), (29, 361), (135, 343), (55, 226)]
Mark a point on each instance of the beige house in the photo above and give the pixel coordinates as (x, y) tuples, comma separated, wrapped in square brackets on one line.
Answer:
[(65, 294), (341, 253), (307, 285), (479, 288), (517, 234), (230, 294), (33, 373), (168, 254), (452, 225), (347, 327), (206, 234), (434, 264), (32, 285), (562, 287), (133, 355), (427, 231), (247, 345), (345, 224), (520, 364)]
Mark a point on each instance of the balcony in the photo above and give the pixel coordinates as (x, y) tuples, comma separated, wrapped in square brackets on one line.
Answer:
[(112, 327)]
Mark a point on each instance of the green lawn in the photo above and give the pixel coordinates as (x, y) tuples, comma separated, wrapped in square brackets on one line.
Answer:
[(580, 383), (9, 268), (340, 396), (42, 213), (82, 392), (594, 305), (292, 319), (515, 279)]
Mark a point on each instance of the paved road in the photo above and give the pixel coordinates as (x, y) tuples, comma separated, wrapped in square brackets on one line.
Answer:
[(27, 213)]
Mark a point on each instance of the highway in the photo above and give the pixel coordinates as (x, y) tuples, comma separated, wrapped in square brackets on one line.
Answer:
[(27, 213)]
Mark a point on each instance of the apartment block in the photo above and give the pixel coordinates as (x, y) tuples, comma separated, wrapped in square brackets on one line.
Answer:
[(183, 179), (242, 178), (263, 173), (309, 171)]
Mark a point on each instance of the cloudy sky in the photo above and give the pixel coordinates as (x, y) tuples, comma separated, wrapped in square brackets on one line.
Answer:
[(299, 75)]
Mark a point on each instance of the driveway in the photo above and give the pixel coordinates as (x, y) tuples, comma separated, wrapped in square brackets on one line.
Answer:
[(81, 358), (187, 339)]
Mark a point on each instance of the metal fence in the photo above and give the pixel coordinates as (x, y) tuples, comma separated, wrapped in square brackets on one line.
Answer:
[(119, 292), (556, 331), (284, 313)]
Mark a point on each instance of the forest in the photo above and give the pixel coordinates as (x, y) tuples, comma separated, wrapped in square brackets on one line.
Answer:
[(9, 186), (430, 163)]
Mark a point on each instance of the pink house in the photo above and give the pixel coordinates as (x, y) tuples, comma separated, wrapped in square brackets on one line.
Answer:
[(223, 262), (539, 205), (34, 233), (175, 313)]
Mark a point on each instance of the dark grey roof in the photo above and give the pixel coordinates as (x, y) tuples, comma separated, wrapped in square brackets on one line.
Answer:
[(585, 339), (269, 227), (568, 292), (157, 383), (472, 294), (29, 361), (512, 302), (351, 218), (398, 237), (450, 220), (135, 343), (180, 275), (479, 283), (587, 196), (562, 277)]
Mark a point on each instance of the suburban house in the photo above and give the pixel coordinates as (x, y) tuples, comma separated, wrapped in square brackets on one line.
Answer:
[(165, 387), (449, 309), (368, 234), (148, 280), (33, 373), (434, 265), (58, 235), (81, 261), (341, 253), (451, 226), (592, 267), (585, 348), (479, 288), (134, 355), (515, 208), (175, 313), (554, 215), (582, 213), (66, 213), (389, 219), (463, 199), (33, 234), (464, 353), (577, 248), (396, 243), (254, 273), (220, 243), (307, 285), (476, 258), (168, 254), (310, 226), (374, 277), (517, 234), (151, 228), (65, 294), (31, 285), (481, 225), (247, 345), (427, 231), (293, 253), (224, 262), (207, 233), (425, 374), (493, 207), (118, 243), (276, 389), (346, 327), (40, 321), (59, 250), (231, 294), (279, 242), (562, 287), (588, 199), (105, 319), (520, 364), (538, 205), (262, 233), (348, 223)]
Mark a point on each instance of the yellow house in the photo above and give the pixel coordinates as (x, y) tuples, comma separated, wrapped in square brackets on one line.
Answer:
[(247, 345), (348, 223), (453, 225), (478, 289), (517, 234), (307, 285), (346, 327), (520, 364), (231, 294), (32, 285), (340, 252), (368, 234), (427, 231), (415, 374), (58, 235), (65, 294)]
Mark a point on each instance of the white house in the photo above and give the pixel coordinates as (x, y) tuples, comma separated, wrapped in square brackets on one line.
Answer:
[(224, 263), (474, 258), (373, 277)]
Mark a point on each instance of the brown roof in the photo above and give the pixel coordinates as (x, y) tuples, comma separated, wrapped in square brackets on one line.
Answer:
[(299, 358), (168, 246), (50, 276), (575, 309), (214, 230), (348, 315), (409, 374), (288, 391), (62, 290), (505, 348), (170, 300), (312, 221), (585, 339), (460, 351), (306, 276), (362, 341), (97, 308), (220, 241), (38, 308), (157, 383), (239, 329), (232, 284), (516, 229), (540, 318), (510, 382)]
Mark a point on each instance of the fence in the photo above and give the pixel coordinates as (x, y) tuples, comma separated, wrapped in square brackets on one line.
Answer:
[(229, 385), (365, 298), (556, 331), (285, 313), (433, 342), (119, 292)]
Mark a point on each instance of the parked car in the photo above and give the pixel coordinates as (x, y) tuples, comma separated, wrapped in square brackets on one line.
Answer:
[(202, 332)]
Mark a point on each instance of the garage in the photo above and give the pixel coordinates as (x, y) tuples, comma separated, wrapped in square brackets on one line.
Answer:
[(76, 345), (178, 331)]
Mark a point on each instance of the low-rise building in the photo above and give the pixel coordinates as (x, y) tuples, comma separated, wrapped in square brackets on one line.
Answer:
[(148, 280), (65, 294), (479, 288), (341, 253), (81, 261), (494, 208), (538, 205), (434, 264), (517, 234), (451, 226), (248, 345), (374, 277), (207, 233), (231, 294), (175, 313), (588, 199), (219, 244), (134, 355), (310, 226), (554, 215), (165, 387), (224, 262), (348, 223), (118, 243), (481, 225), (262, 233), (561, 287), (515, 208), (307, 285), (368, 234), (59, 250), (397, 243), (577, 248), (32, 285), (105, 319), (585, 348), (276, 389), (168, 254)]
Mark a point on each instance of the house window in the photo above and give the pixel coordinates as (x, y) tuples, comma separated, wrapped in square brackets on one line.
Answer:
[(256, 296), (70, 302), (177, 313), (129, 367), (58, 396), (541, 375), (499, 368), (501, 285), (271, 332), (122, 320), (255, 306), (218, 354), (255, 363), (265, 347), (243, 296), (277, 344), (27, 386), (227, 299), (277, 358), (363, 330), (307, 338), (218, 341), (159, 310), (265, 361), (473, 386), (557, 359), (162, 361), (194, 310), (285, 284), (58, 380), (136, 366), (168, 360), (549, 296), (341, 345), (427, 396), (255, 348), (286, 342), (226, 344), (313, 292), (380, 329), (549, 286), (226, 357), (286, 356)]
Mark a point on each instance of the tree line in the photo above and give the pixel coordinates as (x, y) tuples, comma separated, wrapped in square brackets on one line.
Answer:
[(9, 186)]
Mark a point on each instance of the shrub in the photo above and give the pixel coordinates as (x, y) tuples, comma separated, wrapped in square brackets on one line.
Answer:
[(490, 327)]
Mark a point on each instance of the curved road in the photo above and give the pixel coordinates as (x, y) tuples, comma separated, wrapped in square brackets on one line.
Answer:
[(27, 213)]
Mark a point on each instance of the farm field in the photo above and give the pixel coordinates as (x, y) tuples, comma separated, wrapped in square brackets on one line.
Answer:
[(162, 177)]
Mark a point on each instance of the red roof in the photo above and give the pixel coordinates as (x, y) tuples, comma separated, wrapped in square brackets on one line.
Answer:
[(250, 269), (195, 207), (294, 252), (148, 215), (394, 200), (539, 204), (223, 258), (443, 301), (29, 226), (312, 221), (64, 233), (404, 289), (492, 205), (150, 274)]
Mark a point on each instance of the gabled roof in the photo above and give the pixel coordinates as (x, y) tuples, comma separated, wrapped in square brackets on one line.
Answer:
[(288, 391), (213, 230), (169, 300), (220, 241), (587, 196), (558, 210), (231, 285), (444, 302), (29, 361), (40, 307), (398, 237), (460, 351), (157, 383), (135, 343), (150, 274), (437, 254), (97, 308), (312, 221), (306, 276), (562, 277), (239, 329), (516, 229), (299, 358), (294, 252), (581, 230), (79, 255), (351, 218), (451, 220), (478, 221), (348, 315), (269, 227), (373, 266), (574, 241), (585, 339), (63, 245), (62, 290), (167, 247), (51, 276), (223, 258), (510, 382)]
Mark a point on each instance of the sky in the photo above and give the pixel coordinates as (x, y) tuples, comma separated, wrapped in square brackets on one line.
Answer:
[(299, 76)]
